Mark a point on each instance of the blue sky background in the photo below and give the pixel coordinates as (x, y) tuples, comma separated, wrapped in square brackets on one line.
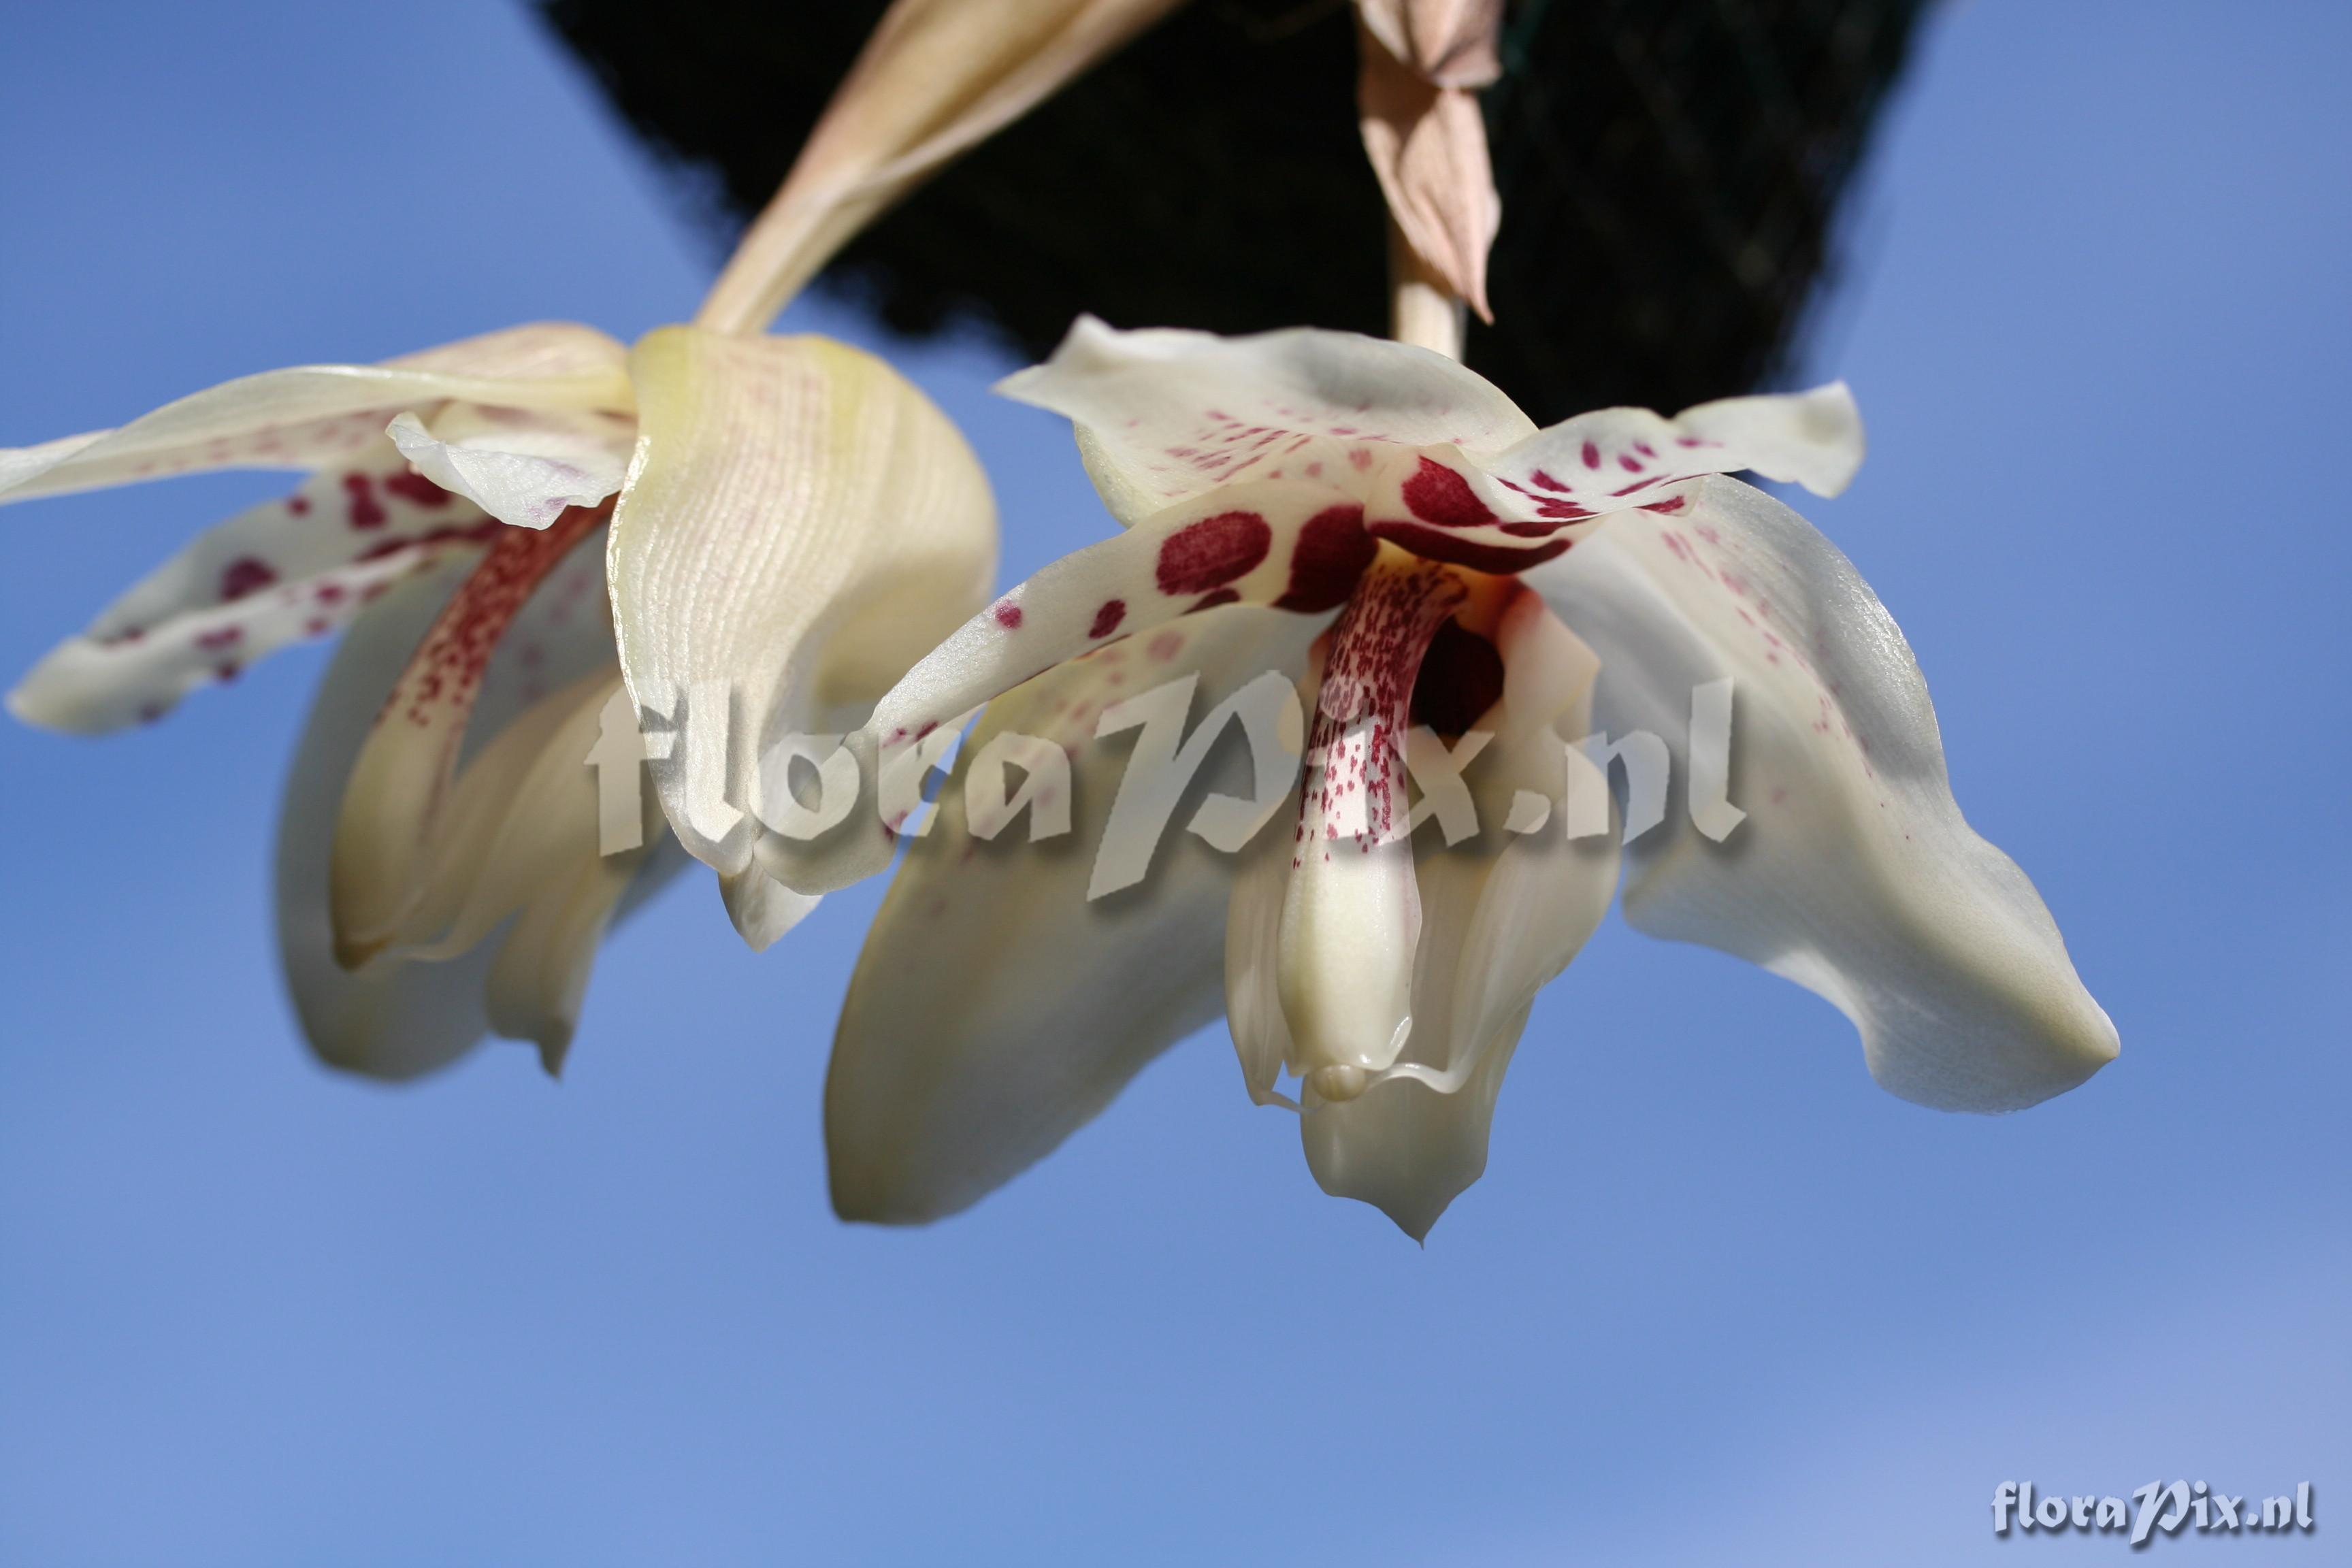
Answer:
[(1719, 1299)]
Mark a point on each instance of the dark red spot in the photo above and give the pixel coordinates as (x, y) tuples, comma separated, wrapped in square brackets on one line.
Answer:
[(1591, 456), (1437, 494), (1461, 677), (1106, 619), (1645, 449), (1210, 601), (330, 592), (415, 487), (1561, 509), (1008, 617), (1435, 544), (220, 638), (299, 505), (928, 725), (1630, 464), (246, 575), (1331, 553), (1213, 552), (1545, 481), (1532, 529), (1672, 503), (366, 510)]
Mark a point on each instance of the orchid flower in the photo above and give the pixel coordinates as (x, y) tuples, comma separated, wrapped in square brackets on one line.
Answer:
[(541, 542), (1387, 529)]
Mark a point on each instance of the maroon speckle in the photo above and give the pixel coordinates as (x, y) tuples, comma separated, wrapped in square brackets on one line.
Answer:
[(246, 575), (220, 638), (1436, 545), (1645, 449), (366, 510), (1545, 481), (1213, 552), (1107, 618), (317, 627), (1630, 464), (1166, 646), (415, 487), (1212, 601), (1671, 504), (299, 505), (1330, 554), (928, 725), (1437, 494), (1591, 456), (228, 670), (330, 592), (1008, 616), (1461, 677)]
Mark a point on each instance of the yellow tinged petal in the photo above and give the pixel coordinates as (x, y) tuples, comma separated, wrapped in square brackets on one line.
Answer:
[(799, 525)]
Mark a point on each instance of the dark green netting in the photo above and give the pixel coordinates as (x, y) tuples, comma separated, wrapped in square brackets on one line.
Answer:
[(1670, 170)]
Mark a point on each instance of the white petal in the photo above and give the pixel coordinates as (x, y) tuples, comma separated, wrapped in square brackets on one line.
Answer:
[(996, 1008), (934, 80), (278, 572), (1631, 460), (521, 465), (398, 1017), (1165, 415), (313, 416), (763, 907), (799, 525), (1855, 874), (399, 802)]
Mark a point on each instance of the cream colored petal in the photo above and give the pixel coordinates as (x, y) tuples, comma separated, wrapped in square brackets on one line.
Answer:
[(278, 572), (761, 908), (996, 1008), (400, 788), (524, 466), (314, 416), (937, 78), (519, 840), (799, 524), (1165, 415), (1853, 872)]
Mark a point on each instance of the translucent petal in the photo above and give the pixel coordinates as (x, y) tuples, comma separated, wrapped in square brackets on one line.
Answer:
[(800, 522), (283, 571), (1427, 146), (399, 1017), (1855, 873), (400, 791), (996, 1008), (313, 416), (521, 465), (1165, 415)]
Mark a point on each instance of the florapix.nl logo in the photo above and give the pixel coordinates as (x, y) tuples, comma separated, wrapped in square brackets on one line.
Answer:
[(808, 785)]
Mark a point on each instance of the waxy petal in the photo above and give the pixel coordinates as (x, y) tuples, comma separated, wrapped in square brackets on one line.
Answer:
[(800, 524), (996, 1008), (525, 467), (1855, 875), (400, 802), (1165, 415), (313, 416), (278, 572), (396, 1019), (937, 78)]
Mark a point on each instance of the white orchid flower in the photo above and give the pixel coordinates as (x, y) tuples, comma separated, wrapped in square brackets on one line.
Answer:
[(1487, 578), (540, 540)]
